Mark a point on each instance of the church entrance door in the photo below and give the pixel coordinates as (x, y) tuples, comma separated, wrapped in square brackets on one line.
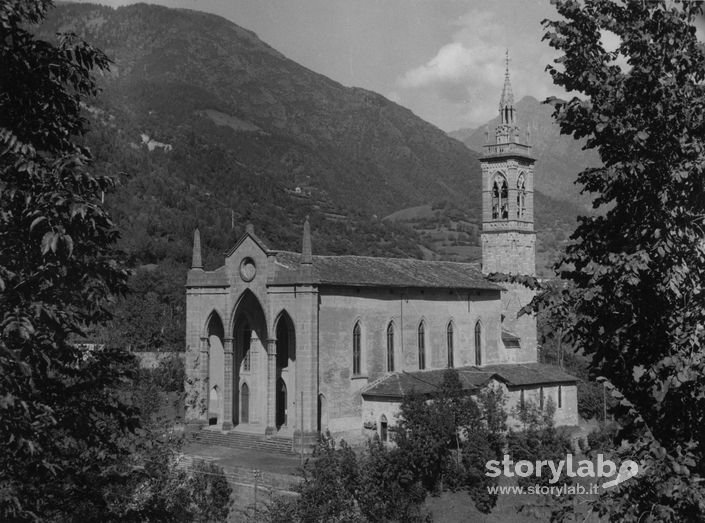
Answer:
[(281, 403), (245, 404)]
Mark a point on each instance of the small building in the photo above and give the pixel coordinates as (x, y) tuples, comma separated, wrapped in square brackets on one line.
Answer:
[(294, 344)]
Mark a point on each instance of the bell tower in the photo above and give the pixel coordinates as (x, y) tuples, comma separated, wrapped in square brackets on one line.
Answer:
[(508, 237)]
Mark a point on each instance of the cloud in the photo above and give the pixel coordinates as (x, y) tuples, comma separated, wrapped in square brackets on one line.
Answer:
[(455, 65), (462, 81), (471, 56)]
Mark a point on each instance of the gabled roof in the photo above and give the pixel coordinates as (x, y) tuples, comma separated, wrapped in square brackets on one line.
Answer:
[(400, 384), (253, 236), (368, 271)]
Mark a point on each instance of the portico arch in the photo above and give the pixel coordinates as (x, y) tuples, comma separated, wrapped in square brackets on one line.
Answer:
[(285, 369), (248, 361), (215, 378)]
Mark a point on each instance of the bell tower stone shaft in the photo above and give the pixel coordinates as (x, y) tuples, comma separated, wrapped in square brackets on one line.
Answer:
[(508, 237)]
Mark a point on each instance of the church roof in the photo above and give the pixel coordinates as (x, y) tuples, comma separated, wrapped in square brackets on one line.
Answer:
[(399, 384), (367, 271)]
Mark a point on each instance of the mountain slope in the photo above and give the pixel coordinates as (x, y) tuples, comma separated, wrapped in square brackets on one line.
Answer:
[(349, 144), (204, 123)]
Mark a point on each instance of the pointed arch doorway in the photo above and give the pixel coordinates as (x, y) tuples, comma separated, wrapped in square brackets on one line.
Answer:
[(285, 371), (244, 403), (281, 404)]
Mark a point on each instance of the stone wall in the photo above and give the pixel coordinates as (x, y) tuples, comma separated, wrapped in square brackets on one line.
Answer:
[(374, 309), (151, 359), (509, 252)]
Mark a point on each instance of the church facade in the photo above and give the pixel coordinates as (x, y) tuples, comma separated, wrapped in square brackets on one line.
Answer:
[(296, 344)]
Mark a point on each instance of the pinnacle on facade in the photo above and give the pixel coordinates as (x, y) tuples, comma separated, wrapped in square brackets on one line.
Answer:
[(196, 260), (306, 250)]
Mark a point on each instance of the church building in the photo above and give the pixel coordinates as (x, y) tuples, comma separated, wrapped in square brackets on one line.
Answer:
[(294, 344)]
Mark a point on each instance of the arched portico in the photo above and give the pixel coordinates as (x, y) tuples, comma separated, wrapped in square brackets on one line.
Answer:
[(285, 369), (247, 364), (214, 370)]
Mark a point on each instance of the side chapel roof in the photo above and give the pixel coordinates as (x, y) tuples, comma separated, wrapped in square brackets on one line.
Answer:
[(396, 385)]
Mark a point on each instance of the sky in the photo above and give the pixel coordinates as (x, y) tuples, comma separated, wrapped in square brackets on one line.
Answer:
[(443, 59)]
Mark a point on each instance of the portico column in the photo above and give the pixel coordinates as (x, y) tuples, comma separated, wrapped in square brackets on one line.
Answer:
[(205, 378), (228, 385), (271, 386)]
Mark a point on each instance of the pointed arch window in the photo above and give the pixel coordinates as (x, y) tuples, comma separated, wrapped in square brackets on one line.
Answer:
[(500, 198), (478, 343), (521, 196), (390, 347), (357, 349), (449, 342), (422, 346)]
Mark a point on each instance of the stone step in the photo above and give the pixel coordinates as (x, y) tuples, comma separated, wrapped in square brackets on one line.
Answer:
[(238, 440)]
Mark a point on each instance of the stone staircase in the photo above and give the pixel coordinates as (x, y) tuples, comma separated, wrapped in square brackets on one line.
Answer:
[(241, 440)]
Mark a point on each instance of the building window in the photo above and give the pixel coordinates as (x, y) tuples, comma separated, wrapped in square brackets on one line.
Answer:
[(500, 198), (521, 196), (422, 346), (449, 338), (478, 344), (383, 428), (560, 396), (357, 349), (390, 347)]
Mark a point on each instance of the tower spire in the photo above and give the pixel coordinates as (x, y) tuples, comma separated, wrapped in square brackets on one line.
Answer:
[(196, 260), (507, 94), (507, 128)]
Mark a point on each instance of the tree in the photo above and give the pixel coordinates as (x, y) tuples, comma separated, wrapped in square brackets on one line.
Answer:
[(446, 438), (429, 428), (538, 440), (71, 445), (638, 264)]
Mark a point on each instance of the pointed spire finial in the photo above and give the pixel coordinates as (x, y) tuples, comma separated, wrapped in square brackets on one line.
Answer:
[(196, 260), (306, 250), (249, 228), (507, 94)]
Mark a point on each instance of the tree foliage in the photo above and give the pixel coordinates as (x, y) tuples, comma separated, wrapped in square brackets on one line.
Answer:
[(72, 447), (374, 485), (447, 437), (638, 265), (60, 415)]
